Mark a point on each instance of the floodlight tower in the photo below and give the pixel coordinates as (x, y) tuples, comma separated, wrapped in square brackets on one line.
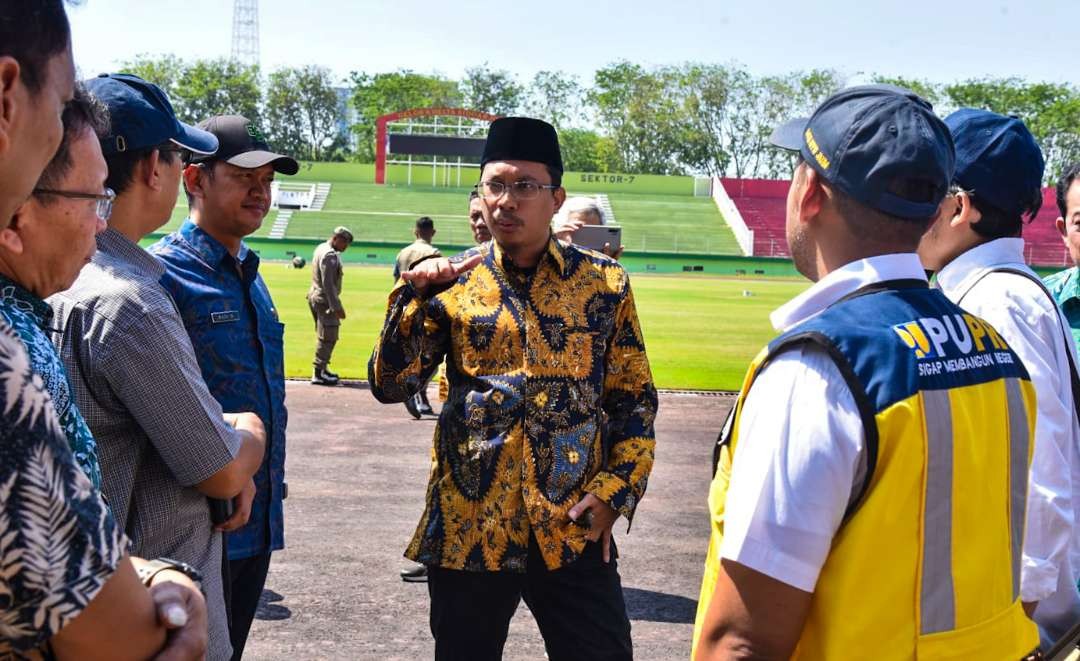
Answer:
[(245, 32)]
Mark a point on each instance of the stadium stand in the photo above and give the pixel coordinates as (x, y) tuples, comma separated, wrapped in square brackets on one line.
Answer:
[(761, 204)]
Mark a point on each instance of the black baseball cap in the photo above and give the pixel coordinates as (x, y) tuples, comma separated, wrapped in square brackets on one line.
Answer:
[(242, 144), (140, 116), (871, 140), (997, 159)]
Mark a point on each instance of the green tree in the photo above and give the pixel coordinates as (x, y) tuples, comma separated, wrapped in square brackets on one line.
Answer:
[(636, 108), (164, 71), (302, 110), (494, 91), (557, 98), (218, 87), (375, 95), (584, 150), (928, 90)]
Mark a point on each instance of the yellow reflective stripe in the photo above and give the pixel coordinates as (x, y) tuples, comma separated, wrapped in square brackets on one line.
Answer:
[(1018, 474), (937, 605)]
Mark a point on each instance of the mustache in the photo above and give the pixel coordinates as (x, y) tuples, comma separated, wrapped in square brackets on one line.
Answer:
[(506, 217)]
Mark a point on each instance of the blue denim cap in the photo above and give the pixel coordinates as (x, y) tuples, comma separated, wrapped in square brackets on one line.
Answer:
[(140, 116), (997, 158), (870, 139)]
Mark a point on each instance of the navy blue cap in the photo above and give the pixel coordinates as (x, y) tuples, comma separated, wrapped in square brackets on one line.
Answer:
[(141, 116), (871, 141), (997, 158)]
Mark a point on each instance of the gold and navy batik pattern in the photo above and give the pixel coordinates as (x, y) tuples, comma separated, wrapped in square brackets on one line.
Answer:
[(550, 398)]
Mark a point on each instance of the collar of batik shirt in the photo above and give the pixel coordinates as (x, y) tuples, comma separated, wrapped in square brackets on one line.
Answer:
[(554, 252), (15, 296)]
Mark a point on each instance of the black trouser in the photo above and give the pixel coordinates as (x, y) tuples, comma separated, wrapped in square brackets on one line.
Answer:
[(579, 609), (248, 576)]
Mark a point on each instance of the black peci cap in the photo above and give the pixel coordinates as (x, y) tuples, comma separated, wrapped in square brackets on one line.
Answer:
[(522, 139)]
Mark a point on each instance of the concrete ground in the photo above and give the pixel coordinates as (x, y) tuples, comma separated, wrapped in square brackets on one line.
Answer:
[(357, 471)]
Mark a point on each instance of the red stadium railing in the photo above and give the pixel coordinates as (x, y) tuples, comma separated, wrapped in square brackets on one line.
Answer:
[(762, 205)]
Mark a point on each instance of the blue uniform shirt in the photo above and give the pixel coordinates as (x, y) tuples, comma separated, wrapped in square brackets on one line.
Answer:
[(237, 337)]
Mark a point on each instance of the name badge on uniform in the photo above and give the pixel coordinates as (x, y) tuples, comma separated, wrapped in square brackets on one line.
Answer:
[(224, 317)]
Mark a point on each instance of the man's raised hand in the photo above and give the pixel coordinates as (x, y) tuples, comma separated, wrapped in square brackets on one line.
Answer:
[(438, 271)]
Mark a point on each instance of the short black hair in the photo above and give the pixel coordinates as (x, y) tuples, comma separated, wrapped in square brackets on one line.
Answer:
[(424, 223), (1063, 185), (996, 223), (555, 174), (83, 112), (33, 32), (122, 164), (473, 194)]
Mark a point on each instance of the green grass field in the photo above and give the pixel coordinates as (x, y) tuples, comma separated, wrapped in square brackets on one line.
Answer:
[(651, 222), (700, 332)]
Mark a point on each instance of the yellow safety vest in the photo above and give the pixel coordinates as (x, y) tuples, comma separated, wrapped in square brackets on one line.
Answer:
[(926, 564)]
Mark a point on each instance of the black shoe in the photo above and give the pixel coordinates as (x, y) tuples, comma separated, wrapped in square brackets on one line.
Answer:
[(414, 574), (410, 406), (424, 405), (323, 378), (328, 373)]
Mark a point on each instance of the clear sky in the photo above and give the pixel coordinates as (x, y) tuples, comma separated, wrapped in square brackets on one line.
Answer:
[(940, 40)]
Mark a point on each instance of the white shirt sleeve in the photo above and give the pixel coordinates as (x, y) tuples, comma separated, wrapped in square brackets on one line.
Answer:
[(1023, 315), (798, 456)]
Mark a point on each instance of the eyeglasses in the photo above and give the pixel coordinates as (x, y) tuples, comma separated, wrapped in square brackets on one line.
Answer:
[(104, 200), (519, 190)]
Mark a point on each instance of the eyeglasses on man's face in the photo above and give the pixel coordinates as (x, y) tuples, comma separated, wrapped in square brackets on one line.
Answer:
[(104, 201), (519, 190)]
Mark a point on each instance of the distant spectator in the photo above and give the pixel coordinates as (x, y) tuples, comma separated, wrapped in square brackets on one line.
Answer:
[(577, 213), (412, 254), (235, 329), (164, 443), (476, 219), (324, 300)]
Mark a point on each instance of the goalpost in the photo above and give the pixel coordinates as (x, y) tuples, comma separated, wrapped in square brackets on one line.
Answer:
[(449, 141)]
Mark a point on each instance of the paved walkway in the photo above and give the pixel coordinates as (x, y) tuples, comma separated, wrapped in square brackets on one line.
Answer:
[(357, 471)]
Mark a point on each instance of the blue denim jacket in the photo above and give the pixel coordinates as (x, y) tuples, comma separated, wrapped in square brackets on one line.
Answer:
[(237, 337)]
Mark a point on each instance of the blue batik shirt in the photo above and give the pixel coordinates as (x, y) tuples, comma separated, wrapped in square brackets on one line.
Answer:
[(30, 317), (237, 338)]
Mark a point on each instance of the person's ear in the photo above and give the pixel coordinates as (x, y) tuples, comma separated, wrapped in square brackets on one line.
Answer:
[(10, 237), (1060, 225), (560, 196), (810, 194), (9, 79), (193, 177), (151, 174), (966, 213)]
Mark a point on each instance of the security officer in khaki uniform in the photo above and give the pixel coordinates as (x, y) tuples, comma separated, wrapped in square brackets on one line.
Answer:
[(412, 254), (325, 302)]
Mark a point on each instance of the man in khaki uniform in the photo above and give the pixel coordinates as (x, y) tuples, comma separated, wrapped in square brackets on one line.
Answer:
[(325, 302), (418, 250), (412, 254)]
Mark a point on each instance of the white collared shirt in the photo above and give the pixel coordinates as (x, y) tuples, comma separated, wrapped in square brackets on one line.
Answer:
[(801, 442), (1034, 327)]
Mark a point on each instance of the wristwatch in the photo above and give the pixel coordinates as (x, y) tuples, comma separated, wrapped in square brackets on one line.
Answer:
[(152, 568)]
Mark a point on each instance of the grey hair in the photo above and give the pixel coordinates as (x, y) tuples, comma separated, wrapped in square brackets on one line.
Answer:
[(578, 204)]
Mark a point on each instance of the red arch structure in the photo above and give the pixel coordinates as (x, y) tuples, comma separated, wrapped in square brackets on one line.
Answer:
[(381, 122)]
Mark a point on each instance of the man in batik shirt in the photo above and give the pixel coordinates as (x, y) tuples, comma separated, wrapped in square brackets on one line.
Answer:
[(547, 435)]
